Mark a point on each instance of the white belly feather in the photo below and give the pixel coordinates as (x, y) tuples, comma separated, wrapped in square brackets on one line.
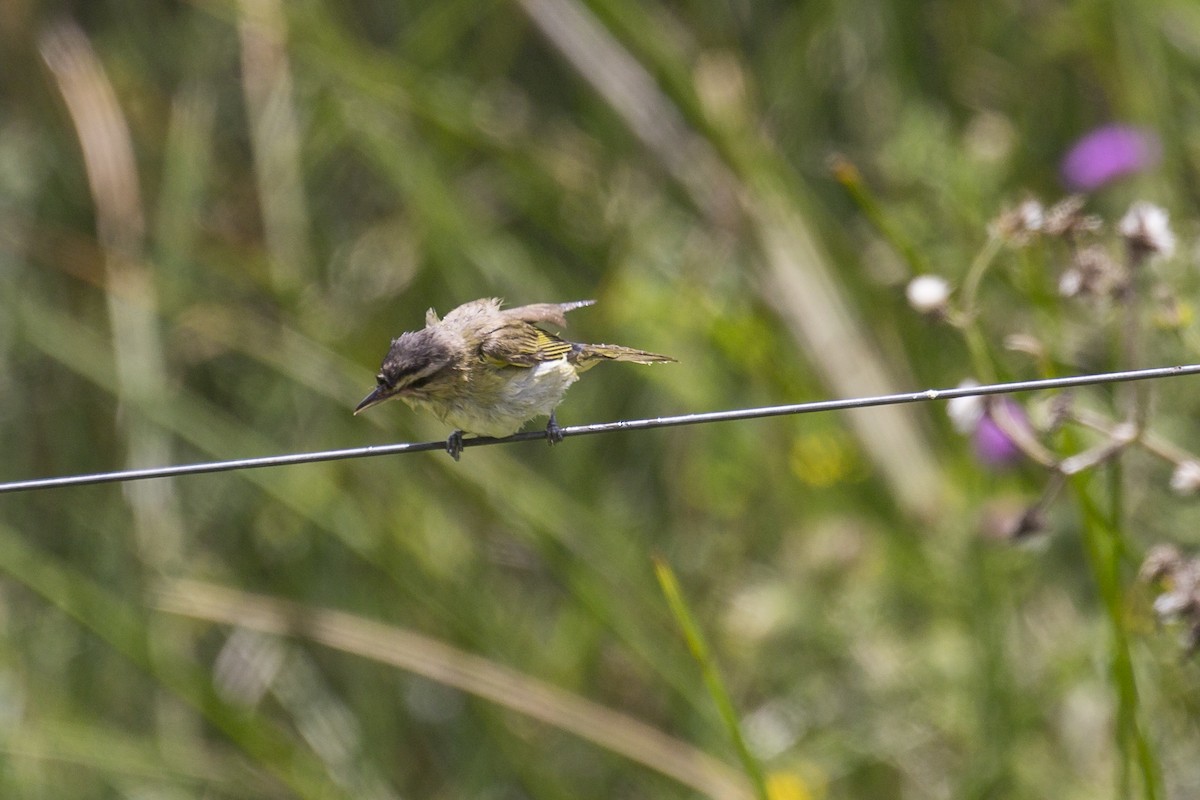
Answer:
[(501, 406)]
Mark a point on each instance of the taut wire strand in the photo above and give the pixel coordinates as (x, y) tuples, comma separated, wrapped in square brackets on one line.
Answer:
[(606, 427)]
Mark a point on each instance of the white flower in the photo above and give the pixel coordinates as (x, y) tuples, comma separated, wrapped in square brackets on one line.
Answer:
[(928, 293), (965, 412), (1147, 227), (1070, 283), (1186, 478), (1031, 215), (1170, 605)]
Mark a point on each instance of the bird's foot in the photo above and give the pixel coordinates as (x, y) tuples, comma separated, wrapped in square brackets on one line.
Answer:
[(454, 445), (554, 433)]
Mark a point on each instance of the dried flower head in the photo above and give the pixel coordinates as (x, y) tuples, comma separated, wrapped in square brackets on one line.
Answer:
[(1052, 412), (1093, 273), (1025, 343), (1146, 228), (1160, 561), (1011, 520), (1178, 579), (1066, 218), (1019, 225)]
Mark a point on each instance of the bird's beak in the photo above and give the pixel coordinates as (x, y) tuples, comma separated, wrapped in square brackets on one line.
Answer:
[(373, 399)]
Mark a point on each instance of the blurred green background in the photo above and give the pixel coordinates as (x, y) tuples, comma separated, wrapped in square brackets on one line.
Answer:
[(214, 216)]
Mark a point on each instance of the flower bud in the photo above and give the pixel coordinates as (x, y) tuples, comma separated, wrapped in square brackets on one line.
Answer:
[(928, 294), (1186, 478)]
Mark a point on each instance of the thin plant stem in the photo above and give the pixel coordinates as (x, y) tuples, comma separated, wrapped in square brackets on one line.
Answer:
[(979, 267), (1105, 546), (708, 668), (968, 317), (846, 173)]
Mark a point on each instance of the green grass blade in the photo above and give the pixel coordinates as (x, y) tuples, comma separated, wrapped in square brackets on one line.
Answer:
[(708, 668)]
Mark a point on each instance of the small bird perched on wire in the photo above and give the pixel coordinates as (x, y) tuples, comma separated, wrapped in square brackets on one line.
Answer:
[(487, 370)]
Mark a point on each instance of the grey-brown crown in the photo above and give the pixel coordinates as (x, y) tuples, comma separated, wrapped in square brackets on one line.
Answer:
[(415, 360)]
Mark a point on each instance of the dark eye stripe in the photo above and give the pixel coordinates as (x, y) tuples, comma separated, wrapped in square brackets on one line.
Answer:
[(418, 383)]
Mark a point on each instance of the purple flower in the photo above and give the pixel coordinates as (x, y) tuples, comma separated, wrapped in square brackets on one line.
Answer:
[(992, 445), (975, 416), (1107, 153)]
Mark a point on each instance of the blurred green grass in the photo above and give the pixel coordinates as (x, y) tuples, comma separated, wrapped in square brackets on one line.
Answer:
[(304, 179)]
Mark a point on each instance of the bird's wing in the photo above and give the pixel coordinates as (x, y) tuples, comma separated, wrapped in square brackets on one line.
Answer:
[(519, 344), (553, 313)]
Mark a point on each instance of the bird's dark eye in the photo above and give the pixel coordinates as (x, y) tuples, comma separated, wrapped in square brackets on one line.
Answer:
[(382, 381)]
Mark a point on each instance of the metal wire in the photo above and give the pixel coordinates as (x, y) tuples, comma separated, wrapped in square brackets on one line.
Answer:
[(604, 427)]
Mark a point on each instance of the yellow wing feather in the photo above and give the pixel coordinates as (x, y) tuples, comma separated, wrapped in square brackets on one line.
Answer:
[(519, 344)]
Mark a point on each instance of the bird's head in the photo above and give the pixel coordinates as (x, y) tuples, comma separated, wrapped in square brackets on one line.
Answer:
[(419, 366)]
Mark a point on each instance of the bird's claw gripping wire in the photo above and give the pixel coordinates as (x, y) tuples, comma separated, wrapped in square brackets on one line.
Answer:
[(554, 433), (454, 445)]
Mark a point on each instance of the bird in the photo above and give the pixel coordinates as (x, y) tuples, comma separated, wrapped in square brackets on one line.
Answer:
[(487, 370)]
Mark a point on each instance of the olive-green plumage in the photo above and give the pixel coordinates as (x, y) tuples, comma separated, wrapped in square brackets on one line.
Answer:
[(488, 370)]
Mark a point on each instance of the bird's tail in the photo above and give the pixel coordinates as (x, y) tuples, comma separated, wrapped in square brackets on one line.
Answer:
[(589, 354)]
